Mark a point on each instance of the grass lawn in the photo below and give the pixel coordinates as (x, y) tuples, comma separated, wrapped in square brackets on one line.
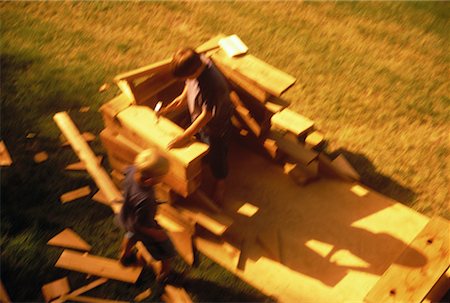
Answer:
[(372, 75)]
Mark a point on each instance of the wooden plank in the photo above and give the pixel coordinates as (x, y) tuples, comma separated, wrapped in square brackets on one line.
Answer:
[(292, 121), (98, 266), (80, 165), (5, 158), (295, 150), (144, 71), (55, 289), (341, 164), (265, 75), (141, 125), (86, 155), (75, 194), (239, 80), (69, 239), (245, 115), (4, 297), (215, 223), (400, 283), (81, 290), (151, 86)]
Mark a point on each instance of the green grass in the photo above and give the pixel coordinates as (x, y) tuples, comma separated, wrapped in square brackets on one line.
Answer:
[(374, 77)]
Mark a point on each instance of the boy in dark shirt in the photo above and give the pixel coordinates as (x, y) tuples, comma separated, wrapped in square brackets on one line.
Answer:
[(139, 209), (206, 93)]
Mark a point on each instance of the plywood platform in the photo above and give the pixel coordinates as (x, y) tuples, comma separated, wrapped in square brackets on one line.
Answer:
[(333, 243)]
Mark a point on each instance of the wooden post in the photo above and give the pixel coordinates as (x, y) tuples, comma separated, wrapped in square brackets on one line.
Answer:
[(86, 155)]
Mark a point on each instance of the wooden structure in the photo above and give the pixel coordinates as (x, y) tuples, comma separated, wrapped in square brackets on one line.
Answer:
[(297, 225)]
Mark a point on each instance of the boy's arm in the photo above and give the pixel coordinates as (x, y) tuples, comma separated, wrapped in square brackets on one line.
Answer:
[(194, 128), (176, 104)]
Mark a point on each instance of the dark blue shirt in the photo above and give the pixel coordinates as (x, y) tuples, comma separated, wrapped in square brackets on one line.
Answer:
[(210, 91), (139, 207)]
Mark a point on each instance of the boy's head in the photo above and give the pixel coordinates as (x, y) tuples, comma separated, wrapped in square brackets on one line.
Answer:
[(186, 63), (150, 167)]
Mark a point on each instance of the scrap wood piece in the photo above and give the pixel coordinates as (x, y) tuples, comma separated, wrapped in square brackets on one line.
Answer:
[(81, 290), (265, 75), (143, 295), (295, 150), (341, 164), (100, 197), (55, 289), (292, 121), (80, 165), (173, 294), (245, 114), (5, 158), (4, 297), (98, 266), (70, 239), (75, 194), (184, 245), (401, 283), (86, 155), (40, 157)]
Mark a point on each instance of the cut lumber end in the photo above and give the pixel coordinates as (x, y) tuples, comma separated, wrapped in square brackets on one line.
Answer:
[(55, 289)]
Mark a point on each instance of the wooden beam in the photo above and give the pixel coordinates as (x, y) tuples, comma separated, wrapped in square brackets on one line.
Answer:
[(292, 122), (245, 115), (151, 86), (98, 266), (401, 283), (69, 239), (86, 155), (110, 109), (265, 75)]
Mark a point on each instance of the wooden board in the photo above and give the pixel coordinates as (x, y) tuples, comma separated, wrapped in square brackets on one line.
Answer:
[(182, 240), (98, 266), (292, 121), (5, 158), (86, 155), (265, 75), (81, 290), (110, 109), (55, 289), (144, 71), (401, 283), (4, 297), (69, 239), (296, 151), (75, 194), (314, 139), (40, 157), (80, 165)]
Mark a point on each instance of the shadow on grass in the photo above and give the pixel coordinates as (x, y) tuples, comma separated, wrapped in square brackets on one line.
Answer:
[(375, 180)]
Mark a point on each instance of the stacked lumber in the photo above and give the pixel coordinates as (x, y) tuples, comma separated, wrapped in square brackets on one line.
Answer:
[(140, 129)]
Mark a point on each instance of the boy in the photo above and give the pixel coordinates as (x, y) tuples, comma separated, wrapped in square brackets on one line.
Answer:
[(206, 93), (139, 209)]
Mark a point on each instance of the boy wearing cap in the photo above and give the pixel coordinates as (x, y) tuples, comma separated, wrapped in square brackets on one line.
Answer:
[(206, 94), (139, 209)]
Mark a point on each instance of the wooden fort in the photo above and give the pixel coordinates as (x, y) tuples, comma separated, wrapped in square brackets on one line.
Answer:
[(297, 224)]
